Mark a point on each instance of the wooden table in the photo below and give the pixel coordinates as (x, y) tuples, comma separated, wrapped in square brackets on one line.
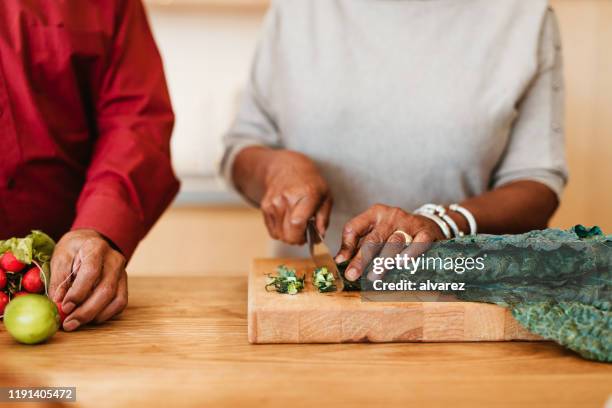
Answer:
[(183, 342)]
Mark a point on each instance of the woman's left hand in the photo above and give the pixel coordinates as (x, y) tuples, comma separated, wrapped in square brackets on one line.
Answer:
[(374, 233)]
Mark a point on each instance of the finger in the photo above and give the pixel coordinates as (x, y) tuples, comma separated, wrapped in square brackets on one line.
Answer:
[(269, 222), (352, 233), (91, 258), (269, 212), (396, 243), (102, 295), (294, 231), (61, 268), (278, 210), (370, 247), (323, 214), (118, 304), (420, 244)]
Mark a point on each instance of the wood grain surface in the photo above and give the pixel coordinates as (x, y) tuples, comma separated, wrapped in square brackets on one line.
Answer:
[(182, 342), (342, 317)]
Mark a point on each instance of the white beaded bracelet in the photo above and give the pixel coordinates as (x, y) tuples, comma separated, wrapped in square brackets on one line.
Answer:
[(437, 220), (456, 231), (467, 215), (440, 211)]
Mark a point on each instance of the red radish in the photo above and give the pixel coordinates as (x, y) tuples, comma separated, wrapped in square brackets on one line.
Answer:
[(32, 281), (4, 299), (2, 279), (9, 263), (62, 315), (20, 293)]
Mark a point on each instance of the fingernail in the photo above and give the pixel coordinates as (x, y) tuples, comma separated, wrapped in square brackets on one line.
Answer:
[(352, 274), (340, 258), (71, 325), (68, 307)]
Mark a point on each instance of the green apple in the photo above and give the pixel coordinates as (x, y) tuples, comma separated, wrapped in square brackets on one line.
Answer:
[(31, 319)]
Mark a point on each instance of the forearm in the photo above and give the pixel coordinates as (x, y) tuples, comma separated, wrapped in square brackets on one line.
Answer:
[(513, 208), (130, 180), (288, 188)]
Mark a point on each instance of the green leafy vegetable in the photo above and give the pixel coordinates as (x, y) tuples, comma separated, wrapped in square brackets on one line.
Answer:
[(323, 280), (285, 281), (556, 283), (35, 248), (349, 286)]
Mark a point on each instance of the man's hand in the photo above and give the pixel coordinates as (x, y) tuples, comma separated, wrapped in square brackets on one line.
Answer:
[(88, 278), (294, 192), (374, 233)]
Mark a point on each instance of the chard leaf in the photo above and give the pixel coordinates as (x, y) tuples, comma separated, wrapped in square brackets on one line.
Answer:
[(285, 281)]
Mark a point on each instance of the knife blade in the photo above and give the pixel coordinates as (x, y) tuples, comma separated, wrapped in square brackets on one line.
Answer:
[(320, 254)]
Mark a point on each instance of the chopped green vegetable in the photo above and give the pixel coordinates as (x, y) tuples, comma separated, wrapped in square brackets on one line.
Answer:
[(285, 281), (323, 280)]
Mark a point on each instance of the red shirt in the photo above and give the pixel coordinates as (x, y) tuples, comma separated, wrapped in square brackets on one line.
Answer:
[(85, 120)]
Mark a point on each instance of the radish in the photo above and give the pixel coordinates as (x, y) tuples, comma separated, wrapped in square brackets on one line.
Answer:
[(9, 263), (4, 299), (32, 281), (61, 313), (2, 279)]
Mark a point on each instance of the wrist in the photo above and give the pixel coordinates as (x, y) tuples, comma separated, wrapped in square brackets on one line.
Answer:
[(468, 217), (455, 221), (92, 233), (441, 224), (460, 220), (433, 227), (250, 172), (286, 163)]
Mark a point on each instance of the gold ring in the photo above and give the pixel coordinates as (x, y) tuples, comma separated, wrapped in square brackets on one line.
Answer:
[(407, 238)]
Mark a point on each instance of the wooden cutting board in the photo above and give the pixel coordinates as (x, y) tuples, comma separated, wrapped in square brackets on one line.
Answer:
[(312, 317)]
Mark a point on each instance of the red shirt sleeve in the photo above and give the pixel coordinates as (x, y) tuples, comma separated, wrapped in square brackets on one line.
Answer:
[(130, 180)]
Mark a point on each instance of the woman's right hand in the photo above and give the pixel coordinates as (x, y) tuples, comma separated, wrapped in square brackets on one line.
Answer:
[(294, 192)]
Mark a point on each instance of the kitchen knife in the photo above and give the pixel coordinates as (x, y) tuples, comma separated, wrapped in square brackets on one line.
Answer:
[(320, 254)]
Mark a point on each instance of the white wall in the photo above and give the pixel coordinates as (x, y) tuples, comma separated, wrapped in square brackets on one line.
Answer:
[(207, 55)]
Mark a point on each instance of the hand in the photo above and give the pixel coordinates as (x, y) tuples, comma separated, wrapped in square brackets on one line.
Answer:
[(372, 233), (294, 192), (98, 289)]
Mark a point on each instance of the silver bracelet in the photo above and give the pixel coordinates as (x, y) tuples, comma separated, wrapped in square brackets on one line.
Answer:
[(430, 208), (440, 211), (437, 220), (467, 215), (451, 223)]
